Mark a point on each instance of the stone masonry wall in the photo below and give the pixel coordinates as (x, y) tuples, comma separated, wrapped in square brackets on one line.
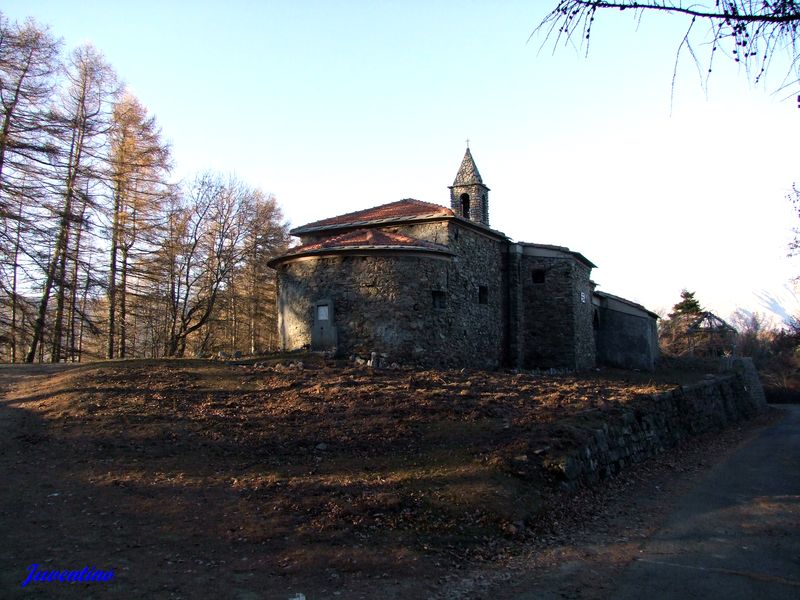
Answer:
[(548, 325), (585, 347), (384, 302), (432, 231), (556, 318), (625, 340), (480, 327), (513, 273), (653, 424), (374, 308)]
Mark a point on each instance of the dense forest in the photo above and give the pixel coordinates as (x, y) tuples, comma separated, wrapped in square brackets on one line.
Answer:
[(102, 253)]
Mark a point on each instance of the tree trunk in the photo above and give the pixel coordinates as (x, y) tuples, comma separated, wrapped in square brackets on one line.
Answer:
[(74, 285), (123, 305), (234, 323), (57, 264), (83, 321), (14, 332), (38, 326), (112, 276), (58, 321)]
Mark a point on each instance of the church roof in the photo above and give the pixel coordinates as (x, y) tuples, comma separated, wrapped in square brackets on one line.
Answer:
[(468, 173), (364, 239), (631, 303), (560, 249), (408, 209)]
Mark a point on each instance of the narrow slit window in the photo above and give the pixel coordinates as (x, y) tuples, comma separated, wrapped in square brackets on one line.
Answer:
[(483, 294), (439, 299)]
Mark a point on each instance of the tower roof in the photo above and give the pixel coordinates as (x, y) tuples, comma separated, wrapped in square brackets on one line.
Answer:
[(468, 173)]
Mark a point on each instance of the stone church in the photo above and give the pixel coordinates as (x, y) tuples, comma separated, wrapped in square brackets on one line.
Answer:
[(430, 285)]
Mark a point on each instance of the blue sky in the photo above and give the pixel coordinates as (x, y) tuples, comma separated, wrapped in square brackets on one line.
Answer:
[(337, 106)]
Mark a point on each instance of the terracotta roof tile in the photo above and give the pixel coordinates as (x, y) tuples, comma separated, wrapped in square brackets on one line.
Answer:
[(402, 209), (363, 239)]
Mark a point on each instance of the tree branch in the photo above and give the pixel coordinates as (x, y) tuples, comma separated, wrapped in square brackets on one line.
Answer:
[(749, 33), (693, 12)]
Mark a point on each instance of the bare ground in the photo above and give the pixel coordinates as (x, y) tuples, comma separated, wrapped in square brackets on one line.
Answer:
[(197, 479)]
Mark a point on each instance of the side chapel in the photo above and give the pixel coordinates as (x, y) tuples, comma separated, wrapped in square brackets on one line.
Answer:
[(437, 286)]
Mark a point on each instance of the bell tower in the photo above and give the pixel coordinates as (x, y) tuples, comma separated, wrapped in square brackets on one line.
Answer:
[(469, 197)]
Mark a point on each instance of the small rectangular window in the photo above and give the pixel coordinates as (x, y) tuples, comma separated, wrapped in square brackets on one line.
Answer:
[(439, 299), (483, 294), (322, 312), (538, 276)]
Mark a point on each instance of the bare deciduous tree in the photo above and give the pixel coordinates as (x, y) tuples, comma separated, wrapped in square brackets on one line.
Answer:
[(203, 248), (139, 163), (81, 122), (250, 314), (268, 237), (83, 173), (28, 62)]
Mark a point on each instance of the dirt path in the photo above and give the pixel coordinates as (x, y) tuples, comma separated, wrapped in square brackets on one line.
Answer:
[(719, 520), (736, 534)]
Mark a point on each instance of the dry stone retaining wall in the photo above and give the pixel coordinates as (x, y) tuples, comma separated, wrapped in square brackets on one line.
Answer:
[(655, 423)]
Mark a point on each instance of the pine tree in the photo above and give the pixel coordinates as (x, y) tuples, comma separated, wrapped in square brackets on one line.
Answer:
[(687, 306)]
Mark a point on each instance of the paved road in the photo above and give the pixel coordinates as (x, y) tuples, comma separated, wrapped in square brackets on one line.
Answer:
[(736, 534)]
